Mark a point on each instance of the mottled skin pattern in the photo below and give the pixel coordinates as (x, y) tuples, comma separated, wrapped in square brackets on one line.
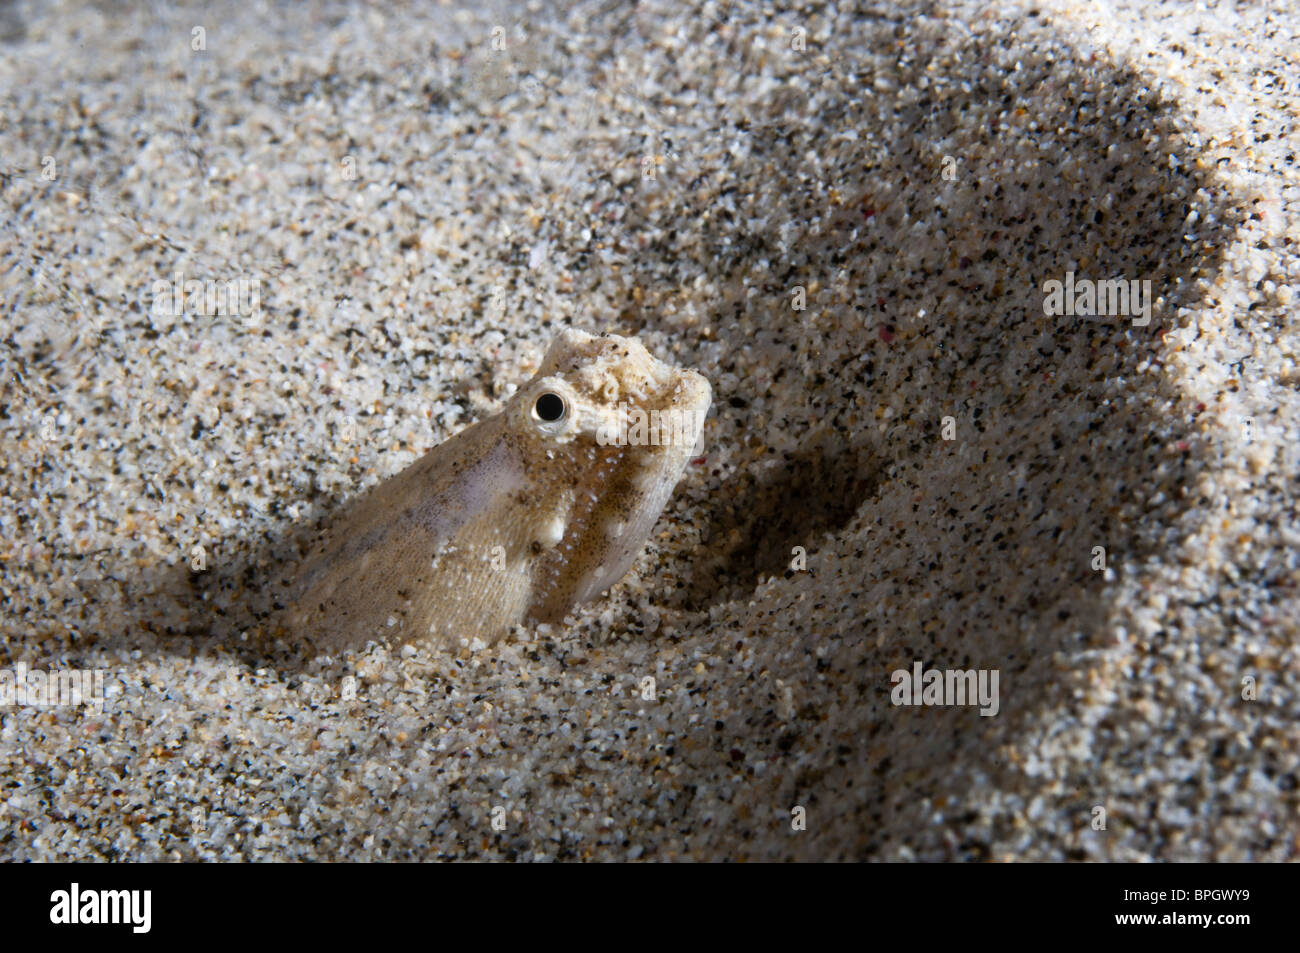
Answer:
[(516, 518)]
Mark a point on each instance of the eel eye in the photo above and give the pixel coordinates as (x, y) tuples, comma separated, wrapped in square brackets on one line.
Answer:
[(550, 408)]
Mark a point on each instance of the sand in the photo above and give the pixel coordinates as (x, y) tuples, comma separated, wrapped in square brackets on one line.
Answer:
[(919, 465)]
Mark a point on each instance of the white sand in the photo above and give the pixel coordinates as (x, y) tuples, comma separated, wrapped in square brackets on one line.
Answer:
[(500, 194)]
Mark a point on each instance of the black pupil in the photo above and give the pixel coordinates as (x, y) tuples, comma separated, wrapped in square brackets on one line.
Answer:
[(550, 407)]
